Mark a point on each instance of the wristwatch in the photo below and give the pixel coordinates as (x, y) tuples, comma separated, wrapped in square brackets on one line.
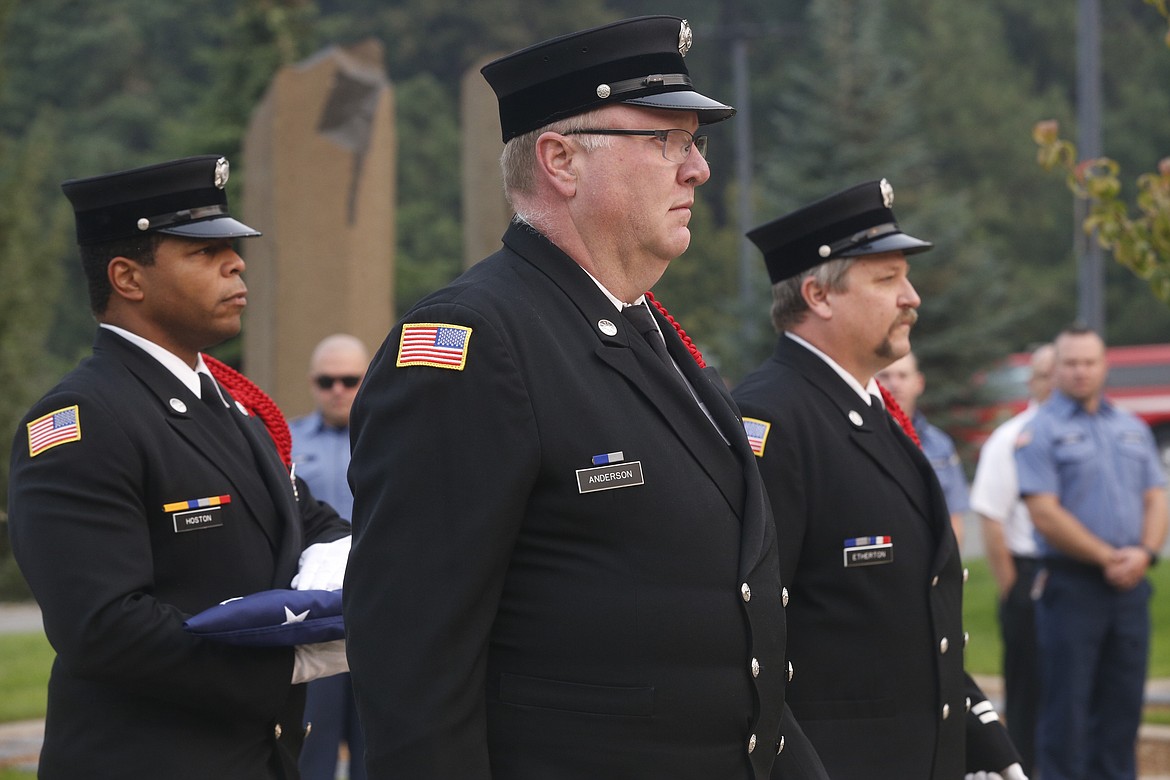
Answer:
[(1154, 557)]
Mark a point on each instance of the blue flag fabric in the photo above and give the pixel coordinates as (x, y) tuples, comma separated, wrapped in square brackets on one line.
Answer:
[(272, 618)]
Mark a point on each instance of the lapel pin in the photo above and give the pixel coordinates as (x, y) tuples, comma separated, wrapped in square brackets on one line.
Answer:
[(855, 418), (178, 406), (607, 327)]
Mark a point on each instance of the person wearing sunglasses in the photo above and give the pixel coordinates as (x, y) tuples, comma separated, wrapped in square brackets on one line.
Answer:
[(320, 450), (564, 565)]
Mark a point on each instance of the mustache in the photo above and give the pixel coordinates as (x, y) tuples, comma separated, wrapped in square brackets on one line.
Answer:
[(909, 317)]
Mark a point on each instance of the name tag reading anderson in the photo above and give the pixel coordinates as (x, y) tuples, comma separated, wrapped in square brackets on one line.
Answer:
[(617, 475), (869, 551)]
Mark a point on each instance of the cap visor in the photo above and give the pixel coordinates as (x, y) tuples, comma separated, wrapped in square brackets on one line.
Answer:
[(220, 227), (709, 111), (895, 242)]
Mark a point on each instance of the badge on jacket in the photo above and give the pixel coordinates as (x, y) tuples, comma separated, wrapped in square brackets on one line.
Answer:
[(869, 551), (435, 344), (757, 434), (195, 514), (610, 471), (59, 427)]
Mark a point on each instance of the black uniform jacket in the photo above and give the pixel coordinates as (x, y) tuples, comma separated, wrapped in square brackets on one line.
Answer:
[(876, 647), (131, 694), (504, 622)]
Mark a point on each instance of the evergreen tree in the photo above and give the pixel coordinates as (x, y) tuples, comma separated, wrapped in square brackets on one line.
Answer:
[(32, 231), (852, 112)]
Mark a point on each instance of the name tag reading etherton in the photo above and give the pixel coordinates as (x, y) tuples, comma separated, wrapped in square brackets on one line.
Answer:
[(869, 551), (617, 475)]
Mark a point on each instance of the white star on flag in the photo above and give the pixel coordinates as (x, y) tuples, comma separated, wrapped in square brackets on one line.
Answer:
[(292, 617)]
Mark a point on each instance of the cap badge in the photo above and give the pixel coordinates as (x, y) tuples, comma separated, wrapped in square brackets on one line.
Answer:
[(887, 193), (221, 173), (685, 38), (603, 91), (143, 223), (825, 250)]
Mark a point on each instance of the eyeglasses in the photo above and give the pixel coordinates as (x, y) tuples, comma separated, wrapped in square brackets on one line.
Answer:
[(676, 143), (325, 382)]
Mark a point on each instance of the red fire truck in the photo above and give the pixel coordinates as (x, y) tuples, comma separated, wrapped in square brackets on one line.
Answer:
[(1139, 380)]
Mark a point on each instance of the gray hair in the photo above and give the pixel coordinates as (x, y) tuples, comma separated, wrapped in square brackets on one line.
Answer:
[(518, 161), (788, 304)]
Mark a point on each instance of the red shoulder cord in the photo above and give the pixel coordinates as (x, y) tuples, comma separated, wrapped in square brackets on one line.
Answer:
[(899, 416), (257, 402), (698, 356)]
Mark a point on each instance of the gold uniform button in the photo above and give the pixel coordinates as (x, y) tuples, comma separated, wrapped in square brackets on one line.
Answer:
[(746, 592), (780, 745), (934, 582), (755, 667), (784, 596), (966, 574), (944, 645), (946, 711), (752, 743), (277, 731)]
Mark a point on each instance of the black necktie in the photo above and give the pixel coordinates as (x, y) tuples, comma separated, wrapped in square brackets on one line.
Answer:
[(209, 392), (641, 318)]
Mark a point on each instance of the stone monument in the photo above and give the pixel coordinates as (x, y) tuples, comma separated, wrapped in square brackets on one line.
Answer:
[(319, 169)]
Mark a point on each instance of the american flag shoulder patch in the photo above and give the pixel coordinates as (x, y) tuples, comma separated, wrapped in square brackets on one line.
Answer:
[(59, 427), (433, 344), (757, 434)]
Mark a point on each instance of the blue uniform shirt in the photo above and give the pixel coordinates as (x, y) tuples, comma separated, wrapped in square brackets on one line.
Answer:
[(321, 455), (939, 449), (1099, 467)]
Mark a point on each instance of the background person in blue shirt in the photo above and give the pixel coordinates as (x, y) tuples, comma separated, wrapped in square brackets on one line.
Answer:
[(906, 383), (1093, 483), (320, 442)]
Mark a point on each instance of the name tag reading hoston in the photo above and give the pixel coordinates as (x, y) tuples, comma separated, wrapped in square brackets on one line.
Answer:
[(198, 519), (617, 475), (870, 554)]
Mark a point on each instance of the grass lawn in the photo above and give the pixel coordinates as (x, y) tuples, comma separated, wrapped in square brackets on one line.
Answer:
[(24, 676), (984, 651)]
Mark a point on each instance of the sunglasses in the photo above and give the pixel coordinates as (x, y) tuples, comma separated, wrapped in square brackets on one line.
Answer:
[(326, 382)]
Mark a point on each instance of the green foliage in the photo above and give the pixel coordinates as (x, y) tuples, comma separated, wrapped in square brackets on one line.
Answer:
[(430, 246), (1139, 242), (935, 95), (33, 231)]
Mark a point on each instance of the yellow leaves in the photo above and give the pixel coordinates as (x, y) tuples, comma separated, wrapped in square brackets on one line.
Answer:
[(1140, 242)]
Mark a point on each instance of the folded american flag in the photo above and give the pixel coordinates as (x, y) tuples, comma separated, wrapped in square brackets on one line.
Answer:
[(272, 618)]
